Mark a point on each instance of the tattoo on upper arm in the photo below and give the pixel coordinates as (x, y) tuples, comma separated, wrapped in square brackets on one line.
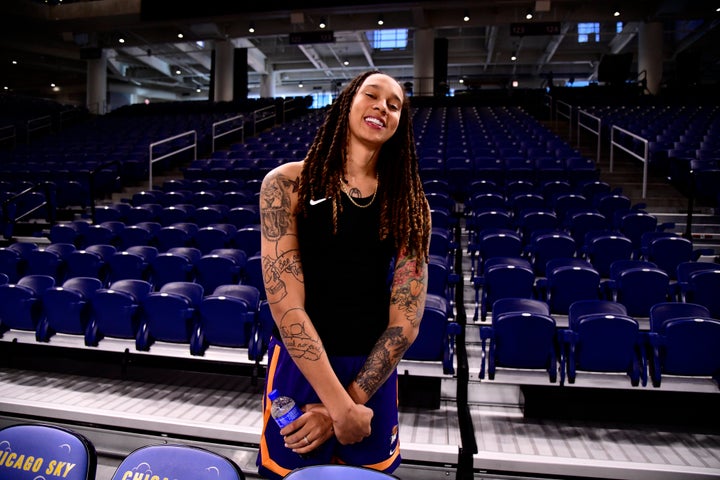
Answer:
[(275, 205), (384, 357), (298, 342), (276, 219), (408, 288)]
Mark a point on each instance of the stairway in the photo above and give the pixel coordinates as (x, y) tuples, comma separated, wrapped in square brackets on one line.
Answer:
[(662, 199)]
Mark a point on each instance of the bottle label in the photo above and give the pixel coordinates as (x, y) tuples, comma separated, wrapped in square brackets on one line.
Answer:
[(288, 418)]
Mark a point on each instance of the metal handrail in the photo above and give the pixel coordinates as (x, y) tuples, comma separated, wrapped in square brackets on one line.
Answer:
[(12, 219), (598, 132), (567, 115), (151, 160), (643, 158), (217, 125)]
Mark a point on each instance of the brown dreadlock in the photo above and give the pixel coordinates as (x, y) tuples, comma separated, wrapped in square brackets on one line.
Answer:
[(404, 213)]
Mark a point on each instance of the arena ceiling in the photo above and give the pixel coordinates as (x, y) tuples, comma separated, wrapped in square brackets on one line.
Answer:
[(167, 49)]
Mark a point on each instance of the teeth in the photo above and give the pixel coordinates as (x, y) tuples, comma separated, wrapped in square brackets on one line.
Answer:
[(375, 121)]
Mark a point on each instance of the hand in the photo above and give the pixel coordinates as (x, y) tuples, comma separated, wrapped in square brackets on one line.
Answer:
[(354, 425), (309, 431)]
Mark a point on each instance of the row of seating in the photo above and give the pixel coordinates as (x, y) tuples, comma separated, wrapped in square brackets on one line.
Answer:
[(73, 456), (208, 231), (62, 261), (636, 284), (601, 337), (182, 313), (178, 313)]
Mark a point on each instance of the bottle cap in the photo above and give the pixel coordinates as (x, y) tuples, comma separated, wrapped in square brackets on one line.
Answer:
[(273, 395)]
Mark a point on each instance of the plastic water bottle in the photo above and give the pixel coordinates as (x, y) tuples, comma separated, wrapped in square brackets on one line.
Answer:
[(283, 409)]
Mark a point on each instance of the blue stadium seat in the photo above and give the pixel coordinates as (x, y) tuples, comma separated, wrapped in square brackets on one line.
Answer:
[(67, 307), (493, 242), (21, 306), (522, 335), (69, 454), (603, 247), (568, 280), (344, 472), (116, 311), (436, 339), (175, 265), (177, 461), (684, 346), (222, 266), (548, 245), (605, 342), (213, 236), (170, 314), (229, 318), (503, 277)]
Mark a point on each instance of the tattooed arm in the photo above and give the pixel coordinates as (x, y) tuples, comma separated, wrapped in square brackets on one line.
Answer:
[(284, 285), (407, 303)]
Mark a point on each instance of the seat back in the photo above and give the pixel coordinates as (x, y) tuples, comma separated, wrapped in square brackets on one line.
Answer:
[(506, 277), (570, 280), (580, 308), (550, 245), (177, 462), (524, 340), (432, 337), (690, 347), (641, 288), (604, 248), (607, 343), (116, 310), (69, 454), (660, 313), (219, 267), (704, 288), (170, 314), (67, 308), (669, 251), (344, 472)]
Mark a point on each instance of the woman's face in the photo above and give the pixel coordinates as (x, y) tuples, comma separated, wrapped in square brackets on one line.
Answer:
[(376, 109)]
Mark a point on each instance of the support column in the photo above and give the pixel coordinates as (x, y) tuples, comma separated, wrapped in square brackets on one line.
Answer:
[(223, 71), (96, 97), (424, 53), (267, 83), (650, 55)]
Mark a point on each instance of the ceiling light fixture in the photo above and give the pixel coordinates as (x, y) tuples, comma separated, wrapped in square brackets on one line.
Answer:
[(466, 16), (513, 57), (380, 20), (529, 15), (180, 35), (251, 28), (323, 22)]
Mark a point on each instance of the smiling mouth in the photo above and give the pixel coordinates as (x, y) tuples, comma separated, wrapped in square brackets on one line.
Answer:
[(374, 121)]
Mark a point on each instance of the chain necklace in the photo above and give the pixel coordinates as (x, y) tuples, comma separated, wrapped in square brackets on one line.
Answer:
[(346, 188)]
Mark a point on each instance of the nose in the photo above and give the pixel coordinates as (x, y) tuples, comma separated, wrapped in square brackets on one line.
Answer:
[(380, 105)]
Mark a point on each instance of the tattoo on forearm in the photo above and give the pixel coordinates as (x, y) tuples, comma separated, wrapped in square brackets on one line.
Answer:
[(384, 357), (275, 205), (408, 288), (298, 342), (273, 270)]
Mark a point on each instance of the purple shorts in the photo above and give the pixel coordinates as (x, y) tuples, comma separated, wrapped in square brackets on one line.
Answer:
[(380, 451)]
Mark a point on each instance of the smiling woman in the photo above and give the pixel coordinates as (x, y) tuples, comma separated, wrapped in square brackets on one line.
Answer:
[(340, 328)]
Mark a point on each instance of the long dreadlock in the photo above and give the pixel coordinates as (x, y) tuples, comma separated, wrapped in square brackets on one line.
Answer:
[(404, 212)]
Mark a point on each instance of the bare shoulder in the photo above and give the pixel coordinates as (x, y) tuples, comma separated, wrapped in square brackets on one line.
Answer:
[(289, 170)]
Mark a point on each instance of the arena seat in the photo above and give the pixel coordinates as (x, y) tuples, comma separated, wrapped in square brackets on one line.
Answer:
[(177, 461), (44, 441)]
